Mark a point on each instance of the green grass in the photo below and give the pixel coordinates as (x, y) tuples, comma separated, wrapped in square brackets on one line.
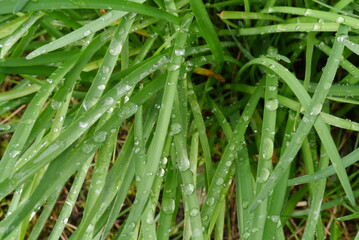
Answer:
[(179, 119)]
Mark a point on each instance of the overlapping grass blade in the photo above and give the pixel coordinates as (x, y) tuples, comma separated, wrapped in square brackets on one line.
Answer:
[(207, 30), (342, 19), (312, 111), (215, 191), (24, 128), (163, 121), (10, 41), (11, 26), (68, 167), (347, 161), (145, 123), (266, 151)]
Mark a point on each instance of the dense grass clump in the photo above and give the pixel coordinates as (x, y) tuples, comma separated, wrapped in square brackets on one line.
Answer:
[(179, 119)]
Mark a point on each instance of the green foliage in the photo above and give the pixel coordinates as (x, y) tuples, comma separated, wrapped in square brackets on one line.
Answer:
[(179, 119)]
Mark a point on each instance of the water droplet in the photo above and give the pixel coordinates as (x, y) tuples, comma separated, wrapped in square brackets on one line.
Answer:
[(183, 165), (143, 75), (316, 109), (210, 201), (14, 153), (180, 52), (272, 88), (305, 119), (123, 89), (87, 148), (128, 110), (5, 127), (86, 104), (340, 19), (342, 38), (173, 67), (187, 189), (228, 163), (164, 160), (246, 235), (109, 101), (55, 104), (83, 124), (245, 118), (219, 181), (90, 228), (320, 45), (131, 225), (263, 175), (194, 212), (161, 172), (100, 136), (281, 28), (168, 205), (308, 12), (272, 66), (176, 128), (272, 104), (197, 233), (101, 87), (115, 51), (105, 69), (317, 27), (275, 218), (267, 148), (87, 32), (327, 86), (126, 99)]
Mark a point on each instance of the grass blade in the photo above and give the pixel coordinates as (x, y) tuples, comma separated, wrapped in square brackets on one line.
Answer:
[(207, 30)]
